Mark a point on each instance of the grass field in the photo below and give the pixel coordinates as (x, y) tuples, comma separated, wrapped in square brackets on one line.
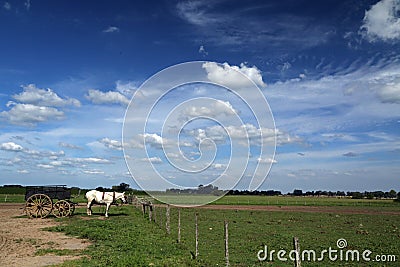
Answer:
[(257, 200), (127, 238)]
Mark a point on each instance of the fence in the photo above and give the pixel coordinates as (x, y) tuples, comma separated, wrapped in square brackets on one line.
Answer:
[(205, 238)]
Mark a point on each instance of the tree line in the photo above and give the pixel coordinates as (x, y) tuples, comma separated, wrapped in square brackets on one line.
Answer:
[(210, 189), (392, 194)]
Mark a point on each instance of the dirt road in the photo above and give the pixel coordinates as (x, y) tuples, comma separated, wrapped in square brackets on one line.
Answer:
[(21, 238)]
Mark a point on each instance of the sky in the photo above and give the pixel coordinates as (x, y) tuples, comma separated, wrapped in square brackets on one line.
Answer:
[(323, 86)]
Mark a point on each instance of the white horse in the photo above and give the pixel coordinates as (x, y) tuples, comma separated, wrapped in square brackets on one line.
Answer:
[(94, 196)]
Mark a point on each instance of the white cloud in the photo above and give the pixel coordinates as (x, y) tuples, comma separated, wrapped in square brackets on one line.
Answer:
[(45, 166), (203, 51), (247, 132), (11, 146), (228, 75), (127, 88), (194, 13), (30, 115), (153, 140), (111, 29), (266, 160), (382, 21), (238, 27), (219, 166), (90, 160), (71, 146), (155, 160), (110, 97), (41, 97), (93, 172), (109, 143), (390, 93), (216, 108)]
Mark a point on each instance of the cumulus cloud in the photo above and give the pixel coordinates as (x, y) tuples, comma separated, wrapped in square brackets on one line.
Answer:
[(37, 105), (93, 172), (228, 75), (113, 144), (155, 160), (216, 108), (67, 145), (11, 146), (382, 21), (266, 160), (30, 115), (90, 160), (390, 93), (246, 132), (43, 97), (111, 29), (126, 88), (110, 97), (45, 166), (154, 140)]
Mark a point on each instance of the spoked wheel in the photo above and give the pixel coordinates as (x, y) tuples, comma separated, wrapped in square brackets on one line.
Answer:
[(62, 208), (38, 206)]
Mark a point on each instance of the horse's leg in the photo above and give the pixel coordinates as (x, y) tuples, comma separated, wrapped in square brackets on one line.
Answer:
[(89, 207), (108, 206)]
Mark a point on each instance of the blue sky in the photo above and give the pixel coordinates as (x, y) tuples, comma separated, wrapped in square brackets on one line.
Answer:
[(330, 71)]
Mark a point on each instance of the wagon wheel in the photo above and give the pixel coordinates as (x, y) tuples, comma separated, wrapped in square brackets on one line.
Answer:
[(38, 206), (62, 208)]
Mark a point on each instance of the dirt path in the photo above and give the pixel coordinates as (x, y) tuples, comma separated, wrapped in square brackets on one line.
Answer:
[(21, 238)]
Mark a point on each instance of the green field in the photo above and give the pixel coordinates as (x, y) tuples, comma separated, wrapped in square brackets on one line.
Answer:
[(127, 238), (304, 201), (255, 200)]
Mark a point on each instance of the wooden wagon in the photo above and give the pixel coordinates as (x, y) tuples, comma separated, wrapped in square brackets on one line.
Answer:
[(43, 200)]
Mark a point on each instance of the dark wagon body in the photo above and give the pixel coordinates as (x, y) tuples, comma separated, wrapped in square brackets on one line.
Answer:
[(41, 201)]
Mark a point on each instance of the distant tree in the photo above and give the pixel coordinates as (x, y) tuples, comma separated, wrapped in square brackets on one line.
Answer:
[(122, 187), (340, 193), (297, 192), (392, 194), (356, 195), (398, 197)]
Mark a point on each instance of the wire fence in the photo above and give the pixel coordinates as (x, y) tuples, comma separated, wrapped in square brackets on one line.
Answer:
[(207, 238)]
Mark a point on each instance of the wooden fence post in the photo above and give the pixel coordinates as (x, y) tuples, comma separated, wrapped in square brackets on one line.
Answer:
[(179, 225), (197, 236), (167, 223), (296, 245), (226, 243), (154, 214), (150, 212)]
